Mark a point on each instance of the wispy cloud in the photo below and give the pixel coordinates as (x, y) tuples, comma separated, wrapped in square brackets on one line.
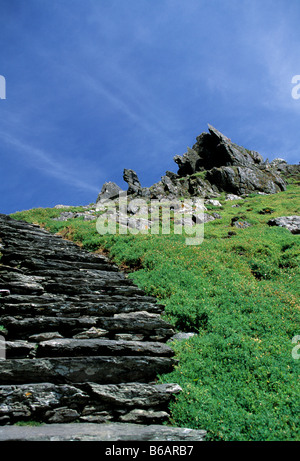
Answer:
[(44, 161), (121, 99)]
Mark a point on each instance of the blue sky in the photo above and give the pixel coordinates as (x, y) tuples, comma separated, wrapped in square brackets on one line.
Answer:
[(96, 86)]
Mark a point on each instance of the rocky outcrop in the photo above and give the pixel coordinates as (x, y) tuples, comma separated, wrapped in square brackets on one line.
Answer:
[(82, 342), (281, 166), (213, 165), (229, 167)]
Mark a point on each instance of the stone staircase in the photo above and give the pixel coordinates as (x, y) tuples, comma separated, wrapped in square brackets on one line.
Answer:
[(82, 343)]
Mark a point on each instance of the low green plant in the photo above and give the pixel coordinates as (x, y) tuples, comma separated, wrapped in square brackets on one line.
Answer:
[(28, 423)]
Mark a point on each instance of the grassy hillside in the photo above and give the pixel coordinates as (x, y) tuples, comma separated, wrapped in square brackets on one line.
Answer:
[(239, 295)]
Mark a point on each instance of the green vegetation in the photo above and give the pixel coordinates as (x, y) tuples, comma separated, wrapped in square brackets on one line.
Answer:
[(201, 174), (28, 423), (239, 295)]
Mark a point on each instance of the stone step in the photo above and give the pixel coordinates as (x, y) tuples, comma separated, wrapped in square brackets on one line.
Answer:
[(12, 253), (14, 229), (101, 433), (69, 347), (51, 245), (92, 402), (98, 369), (42, 266), (91, 347), (80, 256), (77, 308), (45, 246), (34, 285), (22, 328), (91, 283), (145, 323), (81, 282), (89, 298)]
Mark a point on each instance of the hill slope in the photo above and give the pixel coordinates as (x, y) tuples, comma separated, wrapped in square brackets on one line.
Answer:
[(239, 292)]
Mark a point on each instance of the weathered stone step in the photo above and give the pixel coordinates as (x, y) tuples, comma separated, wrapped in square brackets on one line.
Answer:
[(80, 256), (21, 254), (34, 285), (101, 432), (92, 281), (46, 246), (80, 276), (81, 282), (10, 257), (91, 347), (69, 347), (137, 322), (145, 323), (52, 274), (90, 298), (98, 369), (77, 308), (134, 402), (24, 241), (19, 299), (12, 229), (132, 395), (22, 328), (38, 265), (30, 239)]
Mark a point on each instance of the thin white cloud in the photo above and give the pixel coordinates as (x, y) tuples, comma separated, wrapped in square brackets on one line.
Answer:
[(45, 162)]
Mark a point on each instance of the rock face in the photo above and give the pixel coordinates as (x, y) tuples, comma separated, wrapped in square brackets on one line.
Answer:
[(229, 167), (110, 190), (213, 165), (286, 170), (82, 342), (134, 185)]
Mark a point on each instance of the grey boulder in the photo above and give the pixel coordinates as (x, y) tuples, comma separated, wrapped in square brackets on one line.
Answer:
[(109, 191), (292, 223)]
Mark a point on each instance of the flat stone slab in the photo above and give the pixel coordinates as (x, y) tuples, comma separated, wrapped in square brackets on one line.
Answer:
[(86, 402), (99, 432), (102, 370), (91, 347)]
